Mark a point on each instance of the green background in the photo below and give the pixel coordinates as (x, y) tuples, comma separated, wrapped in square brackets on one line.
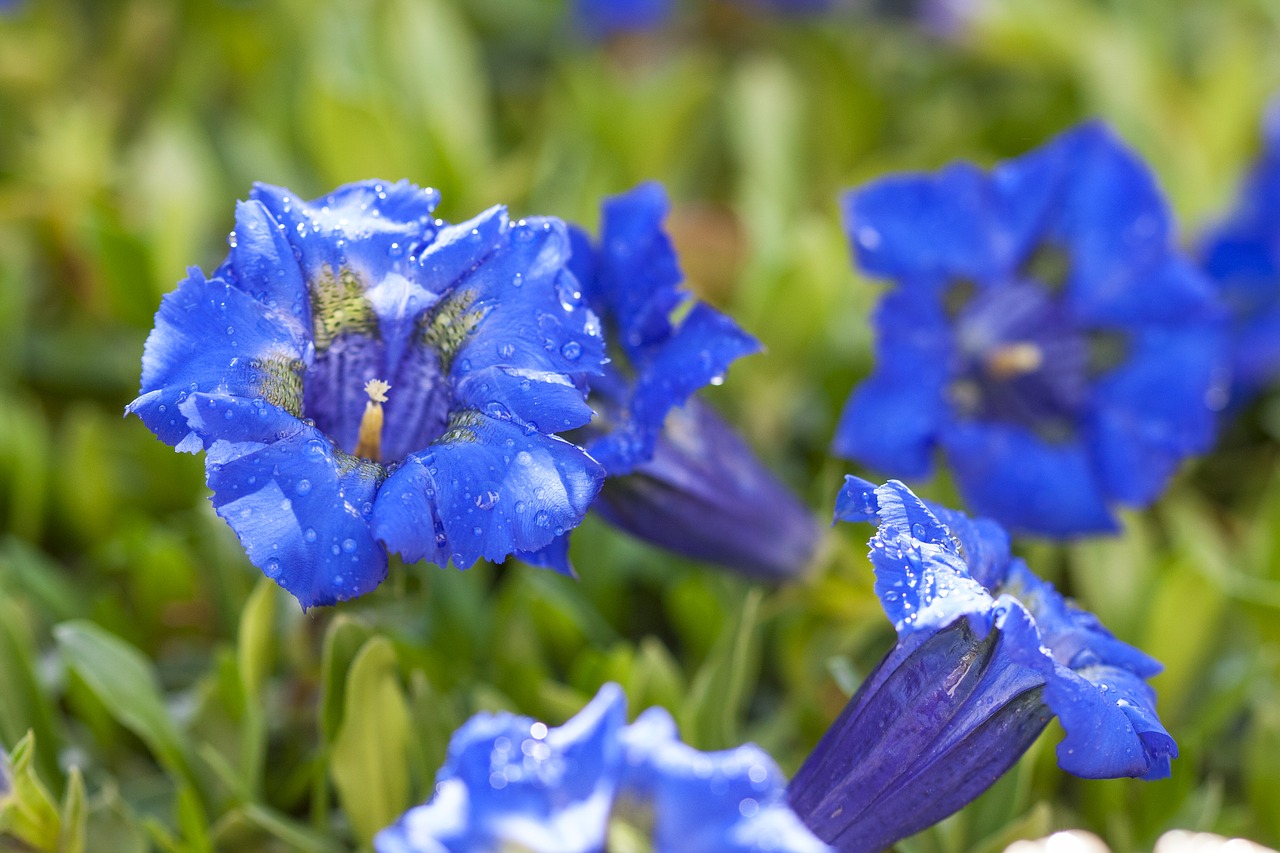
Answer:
[(177, 701)]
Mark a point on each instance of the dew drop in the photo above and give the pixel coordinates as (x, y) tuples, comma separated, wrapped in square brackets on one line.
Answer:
[(349, 545), (303, 487), (542, 518), (571, 350)]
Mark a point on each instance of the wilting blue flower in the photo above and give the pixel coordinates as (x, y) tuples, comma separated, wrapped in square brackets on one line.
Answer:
[(1243, 256), (601, 19), (365, 377), (678, 475), (987, 653), (1042, 332), (511, 781)]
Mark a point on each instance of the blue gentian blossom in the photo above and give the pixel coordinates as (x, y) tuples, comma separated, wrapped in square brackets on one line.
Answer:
[(364, 377), (1042, 332), (679, 477), (512, 783), (987, 654), (1242, 255), (601, 19)]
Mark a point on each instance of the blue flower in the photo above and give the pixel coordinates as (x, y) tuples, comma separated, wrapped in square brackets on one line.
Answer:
[(511, 781), (1042, 332), (987, 653), (678, 475), (1242, 255), (365, 377), (601, 19)]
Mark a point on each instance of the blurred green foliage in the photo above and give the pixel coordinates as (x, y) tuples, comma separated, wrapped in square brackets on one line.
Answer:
[(156, 694)]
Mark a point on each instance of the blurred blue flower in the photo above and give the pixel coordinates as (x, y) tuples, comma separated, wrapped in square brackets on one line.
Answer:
[(1242, 255), (1042, 332), (511, 781), (678, 475), (365, 377), (601, 19), (987, 653)]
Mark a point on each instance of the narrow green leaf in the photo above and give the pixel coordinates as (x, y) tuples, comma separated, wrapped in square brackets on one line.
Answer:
[(711, 715), (27, 811), (26, 704), (254, 656), (342, 641), (123, 680), (370, 754), (74, 815)]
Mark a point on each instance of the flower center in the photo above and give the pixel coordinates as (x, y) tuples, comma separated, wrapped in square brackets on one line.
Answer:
[(1022, 360), (369, 442), (370, 337)]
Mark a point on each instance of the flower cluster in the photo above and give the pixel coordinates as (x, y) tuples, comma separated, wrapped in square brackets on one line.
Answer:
[(511, 782), (1042, 332), (678, 476), (364, 377), (987, 653), (1242, 255)]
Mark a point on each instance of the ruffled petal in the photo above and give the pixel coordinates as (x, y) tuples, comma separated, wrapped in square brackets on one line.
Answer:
[(1112, 730), (530, 325), (730, 801), (261, 263), (670, 372), (298, 504), (637, 275), (1005, 472), (494, 487), (372, 227), (211, 337)]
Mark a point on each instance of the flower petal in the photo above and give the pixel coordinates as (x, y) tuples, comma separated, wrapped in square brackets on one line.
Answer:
[(298, 504), (1154, 409), (1005, 472), (929, 228), (494, 487), (668, 374), (547, 791), (891, 421), (1112, 730), (532, 325), (261, 263), (212, 337), (704, 494)]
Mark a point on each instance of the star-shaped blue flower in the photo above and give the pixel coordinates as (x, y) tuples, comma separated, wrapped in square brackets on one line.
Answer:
[(679, 477), (1242, 255), (987, 654), (1042, 332), (511, 782), (364, 377)]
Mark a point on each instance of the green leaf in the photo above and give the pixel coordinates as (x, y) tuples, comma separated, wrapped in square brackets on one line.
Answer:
[(123, 681), (342, 641), (27, 811), (26, 704), (710, 717), (370, 754), (74, 815), (254, 656)]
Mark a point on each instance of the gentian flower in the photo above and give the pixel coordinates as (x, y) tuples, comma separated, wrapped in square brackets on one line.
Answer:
[(601, 19), (364, 377), (510, 782), (1242, 255), (987, 653), (1042, 332), (679, 477)]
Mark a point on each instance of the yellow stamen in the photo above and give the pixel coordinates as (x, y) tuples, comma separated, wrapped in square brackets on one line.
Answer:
[(369, 444), (1013, 360)]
